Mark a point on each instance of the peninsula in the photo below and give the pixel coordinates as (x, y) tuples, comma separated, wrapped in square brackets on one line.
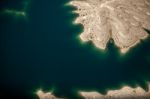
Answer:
[(123, 21)]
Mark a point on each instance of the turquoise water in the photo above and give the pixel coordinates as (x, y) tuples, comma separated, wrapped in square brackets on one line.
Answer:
[(45, 52)]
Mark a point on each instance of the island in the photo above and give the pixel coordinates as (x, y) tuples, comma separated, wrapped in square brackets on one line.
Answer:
[(121, 21)]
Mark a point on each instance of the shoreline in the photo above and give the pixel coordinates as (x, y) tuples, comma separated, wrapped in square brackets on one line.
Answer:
[(125, 92), (120, 29)]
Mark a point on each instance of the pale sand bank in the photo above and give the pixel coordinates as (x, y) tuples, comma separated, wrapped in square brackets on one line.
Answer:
[(121, 20)]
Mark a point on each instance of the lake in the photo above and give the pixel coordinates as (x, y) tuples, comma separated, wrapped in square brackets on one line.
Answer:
[(44, 51)]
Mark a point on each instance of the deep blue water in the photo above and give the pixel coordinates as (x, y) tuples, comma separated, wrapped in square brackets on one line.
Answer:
[(44, 52)]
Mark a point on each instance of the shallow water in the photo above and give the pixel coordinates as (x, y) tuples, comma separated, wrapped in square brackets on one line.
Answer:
[(45, 52)]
